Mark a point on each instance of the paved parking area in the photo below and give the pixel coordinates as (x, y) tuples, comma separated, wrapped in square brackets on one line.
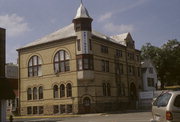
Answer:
[(100, 117)]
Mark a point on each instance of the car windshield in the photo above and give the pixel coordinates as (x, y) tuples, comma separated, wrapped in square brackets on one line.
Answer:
[(177, 101)]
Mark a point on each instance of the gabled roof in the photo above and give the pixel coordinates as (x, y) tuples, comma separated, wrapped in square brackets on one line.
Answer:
[(121, 38), (68, 32), (82, 12)]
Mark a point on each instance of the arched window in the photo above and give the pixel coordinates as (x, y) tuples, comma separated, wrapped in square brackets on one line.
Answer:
[(62, 90), (61, 61), (40, 92), (69, 90), (108, 89), (55, 91), (29, 94), (34, 93), (34, 66), (104, 89)]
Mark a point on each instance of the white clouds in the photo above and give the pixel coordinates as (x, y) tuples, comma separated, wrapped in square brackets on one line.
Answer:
[(110, 27), (14, 25), (105, 16)]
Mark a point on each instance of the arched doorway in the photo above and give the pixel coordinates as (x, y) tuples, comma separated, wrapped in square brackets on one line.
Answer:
[(87, 104)]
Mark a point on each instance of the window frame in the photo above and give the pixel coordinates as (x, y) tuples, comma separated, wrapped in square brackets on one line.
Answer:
[(63, 61), (34, 66)]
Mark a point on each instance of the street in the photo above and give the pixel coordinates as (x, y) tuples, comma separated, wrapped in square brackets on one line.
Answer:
[(102, 117)]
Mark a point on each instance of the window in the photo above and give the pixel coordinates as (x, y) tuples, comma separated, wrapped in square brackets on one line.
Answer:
[(108, 89), (79, 45), (55, 109), (131, 56), (177, 101), (55, 91), (69, 108), (131, 70), (104, 49), (162, 100), (105, 65), (69, 90), (40, 92), (34, 66), (138, 71), (61, 61), (29, 110), (90, 44), (62, 90), (123, 89), (35, 110), (29, 94), (41, 109), (137, 58), (86, 101), (150, 82), (150, 70), (62, 109), (119, 68), (118, 53), (85, 62), (104, 89), (34, 93)]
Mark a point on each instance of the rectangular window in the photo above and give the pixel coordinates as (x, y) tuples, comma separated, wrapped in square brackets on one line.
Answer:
[(34, 109), (138, 71), (41, 109), (62, 109), (119, 68), (118, 53), (56, 109), (90, 44), (79, 63), (131, 70), (150, 82), (69, 108), (79, 45), (85, 62), (29, 110), (104, 49), (131, 56), (150, 70), (105, 65)]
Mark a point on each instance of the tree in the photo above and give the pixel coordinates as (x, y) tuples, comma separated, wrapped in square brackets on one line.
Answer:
[(166, 60)]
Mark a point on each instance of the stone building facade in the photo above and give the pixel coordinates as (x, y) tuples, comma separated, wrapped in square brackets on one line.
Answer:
[(78, 70)]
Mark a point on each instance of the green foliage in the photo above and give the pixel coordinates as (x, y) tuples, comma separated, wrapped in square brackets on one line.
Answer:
[(166, 60)]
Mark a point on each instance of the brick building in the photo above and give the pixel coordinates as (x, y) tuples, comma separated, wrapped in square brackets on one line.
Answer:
[(78, 70)]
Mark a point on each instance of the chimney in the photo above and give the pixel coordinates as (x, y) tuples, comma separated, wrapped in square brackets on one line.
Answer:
[(2, 52)]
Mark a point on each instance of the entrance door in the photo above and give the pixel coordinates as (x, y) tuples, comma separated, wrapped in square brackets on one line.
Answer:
[(87, 104)]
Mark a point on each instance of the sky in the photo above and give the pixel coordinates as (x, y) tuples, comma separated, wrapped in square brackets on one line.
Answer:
[(148, 21)]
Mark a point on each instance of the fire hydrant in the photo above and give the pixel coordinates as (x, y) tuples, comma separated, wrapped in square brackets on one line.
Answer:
[(11, 118)]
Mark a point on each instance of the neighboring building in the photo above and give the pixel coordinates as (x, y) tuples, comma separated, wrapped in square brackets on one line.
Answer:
[(5, 88), (77, 70), (11, 70), (11, 73), (149, 76)]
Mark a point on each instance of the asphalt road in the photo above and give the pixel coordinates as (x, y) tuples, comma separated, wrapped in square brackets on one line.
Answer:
[(115, 117)]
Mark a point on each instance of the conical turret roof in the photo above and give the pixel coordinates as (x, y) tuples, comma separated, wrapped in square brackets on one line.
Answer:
[(82, 12)]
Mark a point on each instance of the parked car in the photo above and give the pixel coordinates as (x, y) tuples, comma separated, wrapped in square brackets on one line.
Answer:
[(166, 107)]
